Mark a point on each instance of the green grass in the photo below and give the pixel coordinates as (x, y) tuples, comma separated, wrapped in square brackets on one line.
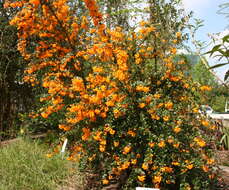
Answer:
[(24, 166)]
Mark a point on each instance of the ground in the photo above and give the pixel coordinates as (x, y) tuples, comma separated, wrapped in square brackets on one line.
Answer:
[(223, 160)]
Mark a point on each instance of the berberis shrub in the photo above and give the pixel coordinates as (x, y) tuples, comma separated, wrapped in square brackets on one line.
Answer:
[(124, 103)]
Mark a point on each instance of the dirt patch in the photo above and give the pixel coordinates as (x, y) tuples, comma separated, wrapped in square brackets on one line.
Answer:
[(72, 183), (222, 158)]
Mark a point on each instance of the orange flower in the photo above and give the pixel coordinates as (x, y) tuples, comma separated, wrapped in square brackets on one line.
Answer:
[(101, 148), (195, 110), (178, 35), (148, 99), (190, 166), (211, 176), (103, 142), (35, 2), (110, 177), (157, 179), (170, 140), (141, 178), (131, 133), (154, 116), (86, 134), (205, 168), (176, 145), (126, 149), (44, 115), (142, 88), (169, 105), (143, 23), (154, 167), (213, 127), (110, 103), (125, 165), (160, 105), (166, 118), (151, 144), (176, 129), (205, 88), (166, 169), (161, 144), (64, 127), (117, 113), (174, 78), (157, 96), (210, 161), (200, 141), (112, 131), (97, 136), (141, 105), (175, 163), (173, 51), (105, 181), (116, 143), (168, 181), (77, 84), (49, 155), (205, 123), (134, 161), (186, 85), (97, 69), (145, 166)]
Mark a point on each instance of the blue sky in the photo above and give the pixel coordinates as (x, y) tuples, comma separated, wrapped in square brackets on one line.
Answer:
[(213, 22)]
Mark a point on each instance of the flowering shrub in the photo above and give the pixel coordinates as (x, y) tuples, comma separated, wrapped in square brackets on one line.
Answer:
[(126, 105)]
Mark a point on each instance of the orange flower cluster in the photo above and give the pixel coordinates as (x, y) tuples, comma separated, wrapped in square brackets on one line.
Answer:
[(64, 127), (200, 141), (15, 4), (142, 88), (94, 11), (95, 15), (205, 88)]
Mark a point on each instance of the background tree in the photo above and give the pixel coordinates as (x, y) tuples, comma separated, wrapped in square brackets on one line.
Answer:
[(218, 95), (224, 10), (15, 95), (116, 12)]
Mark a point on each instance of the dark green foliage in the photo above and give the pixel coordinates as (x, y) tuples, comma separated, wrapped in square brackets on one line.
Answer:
[(15, 96)]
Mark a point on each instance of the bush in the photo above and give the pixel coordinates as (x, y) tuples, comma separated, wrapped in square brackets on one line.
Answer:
[(122, 101)]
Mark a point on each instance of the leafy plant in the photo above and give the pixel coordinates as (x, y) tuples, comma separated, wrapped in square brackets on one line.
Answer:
[(221, 51), (225, 138)]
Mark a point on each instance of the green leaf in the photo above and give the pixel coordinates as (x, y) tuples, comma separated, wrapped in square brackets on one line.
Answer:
[(223, 137), (226, 75), (226, 38), (218, 65), (215, 49)]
